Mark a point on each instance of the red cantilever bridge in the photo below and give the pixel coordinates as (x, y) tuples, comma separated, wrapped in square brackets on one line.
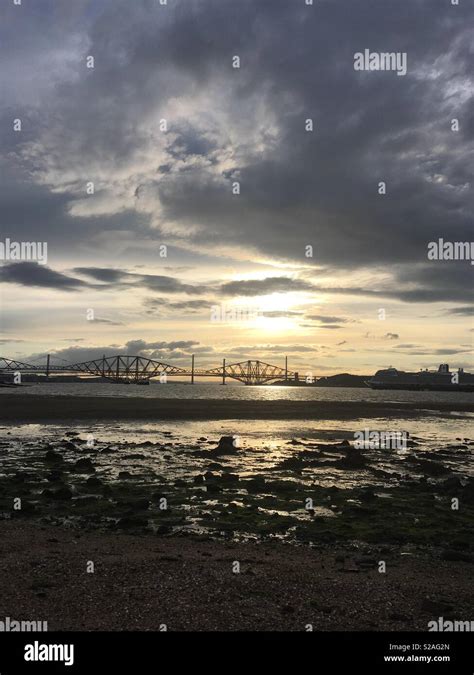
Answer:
[(140, 370)]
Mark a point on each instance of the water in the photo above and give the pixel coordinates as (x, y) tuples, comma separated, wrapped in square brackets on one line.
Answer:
[(238, 392)]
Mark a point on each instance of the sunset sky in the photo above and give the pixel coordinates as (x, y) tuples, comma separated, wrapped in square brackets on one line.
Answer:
[(165, 127)]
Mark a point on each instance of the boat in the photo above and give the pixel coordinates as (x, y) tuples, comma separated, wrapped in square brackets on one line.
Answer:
[(425, 380)]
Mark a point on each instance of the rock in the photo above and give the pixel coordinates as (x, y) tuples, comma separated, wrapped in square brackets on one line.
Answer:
[(134, 456), (130, 522), (124, 474), (180, 483), (367, 495), (199, 479), (69, 445), (84, 465), (212, 488), (226, 446), (202, 438), (137, 504), (94, 482), (53, 457), (62, 492), (431, 468), (229, 478), (255, 484), (164, 529), (353, 460)]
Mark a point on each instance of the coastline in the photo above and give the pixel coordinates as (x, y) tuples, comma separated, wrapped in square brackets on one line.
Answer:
[(32, 407)]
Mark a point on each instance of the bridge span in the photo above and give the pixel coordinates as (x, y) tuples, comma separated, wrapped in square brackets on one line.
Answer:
[(140, 370)]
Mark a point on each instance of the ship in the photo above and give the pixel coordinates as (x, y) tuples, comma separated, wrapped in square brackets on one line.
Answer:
[(425, 380)]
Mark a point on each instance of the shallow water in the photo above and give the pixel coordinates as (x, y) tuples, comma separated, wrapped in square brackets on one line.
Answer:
[(237, 392)]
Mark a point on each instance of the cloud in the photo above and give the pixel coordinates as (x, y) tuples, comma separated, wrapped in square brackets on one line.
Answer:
[(107, 321), (326, 319), (253, 287), (33, 274)]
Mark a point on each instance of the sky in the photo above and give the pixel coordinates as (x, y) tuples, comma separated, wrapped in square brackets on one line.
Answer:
[(215, 177)]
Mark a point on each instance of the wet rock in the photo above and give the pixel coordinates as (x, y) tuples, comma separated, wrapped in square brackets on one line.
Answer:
[(255, 484), (212, 488), (164, 529), (229, 478), (55, 475), (94, 482), (353, 460), (431, 468), (124, 475), (62, 492), (157, 496), (131, 522), (180, 483), (345, 444), (367, 495), (226, 446), (136, 504), (214, 466), (84, 465), (68, 445), (27, 507), (53, 457), (199, 479)]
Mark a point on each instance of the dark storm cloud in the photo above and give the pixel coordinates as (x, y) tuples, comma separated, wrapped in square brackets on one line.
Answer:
[(33, 274), (297, 187)]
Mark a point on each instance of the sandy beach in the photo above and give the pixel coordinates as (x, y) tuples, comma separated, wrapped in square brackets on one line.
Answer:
[(29, 407), (145, 582)]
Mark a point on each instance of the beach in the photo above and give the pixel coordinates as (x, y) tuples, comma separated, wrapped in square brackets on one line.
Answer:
[(183, 584)]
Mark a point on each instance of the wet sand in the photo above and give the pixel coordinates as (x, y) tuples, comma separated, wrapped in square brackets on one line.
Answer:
[(143, 582), (30, 407)]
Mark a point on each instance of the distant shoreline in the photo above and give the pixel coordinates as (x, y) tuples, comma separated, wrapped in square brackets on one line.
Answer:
[(31, 407)]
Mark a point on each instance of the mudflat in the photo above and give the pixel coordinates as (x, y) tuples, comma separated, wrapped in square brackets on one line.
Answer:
[(30, 407)]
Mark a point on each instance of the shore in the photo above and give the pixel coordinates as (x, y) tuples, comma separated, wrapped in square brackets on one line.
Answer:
[(143, 582), (30, 407)]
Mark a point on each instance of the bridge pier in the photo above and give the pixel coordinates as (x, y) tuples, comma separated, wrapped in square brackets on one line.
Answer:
[(192, 369)]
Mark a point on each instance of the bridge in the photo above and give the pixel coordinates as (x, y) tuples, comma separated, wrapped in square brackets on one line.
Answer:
[(140, 370)]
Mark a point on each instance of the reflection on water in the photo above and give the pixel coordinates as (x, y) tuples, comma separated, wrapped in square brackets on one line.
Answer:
[(238, 392)]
